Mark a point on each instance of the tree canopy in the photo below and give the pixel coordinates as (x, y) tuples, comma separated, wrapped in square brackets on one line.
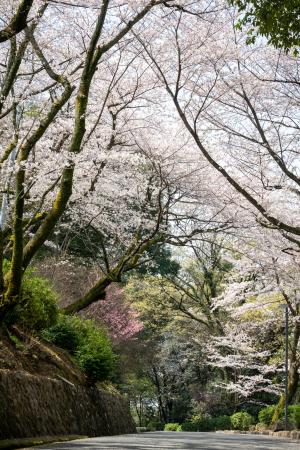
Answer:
[(149, 169), (277, 20)]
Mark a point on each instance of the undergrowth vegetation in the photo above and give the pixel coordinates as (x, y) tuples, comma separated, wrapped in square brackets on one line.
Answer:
[(38, 308), (241, 421), (89, 345), (265, 415), (38, 314)]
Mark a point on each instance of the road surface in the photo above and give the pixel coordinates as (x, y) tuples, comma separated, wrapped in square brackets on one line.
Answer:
[(178, 440)]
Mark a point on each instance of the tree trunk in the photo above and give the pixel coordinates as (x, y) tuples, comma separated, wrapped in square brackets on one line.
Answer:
[(18, 22), (97, 292), (161, 409), (293, 379)]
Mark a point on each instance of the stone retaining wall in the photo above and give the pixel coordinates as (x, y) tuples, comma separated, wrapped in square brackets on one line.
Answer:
[(38, 406)]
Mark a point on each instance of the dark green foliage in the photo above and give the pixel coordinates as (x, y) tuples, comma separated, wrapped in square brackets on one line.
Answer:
[(180, 405), (155, 426), (161, 262), (278, 20), (78, 239), (95, 355), (88, 343), (38, 307), (222, 423), (241, 421), (65, 333), (207, 423), (189, 426), (253, 408), (294, 415), (198, 423), (265, 415)]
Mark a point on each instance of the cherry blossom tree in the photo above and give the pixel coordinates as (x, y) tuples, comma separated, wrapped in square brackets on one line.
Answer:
[(262, 281), (238, 105), (132, 125), (68, 98)]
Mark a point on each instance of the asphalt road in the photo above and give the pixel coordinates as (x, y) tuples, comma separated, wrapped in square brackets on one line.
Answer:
[(178, 440)]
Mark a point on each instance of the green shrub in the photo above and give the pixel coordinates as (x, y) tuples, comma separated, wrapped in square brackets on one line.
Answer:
[(171, 426), (199, 423), (241, 421), (95, 356), (155, 426), (194, 423), (206, 423), (88, 343), (66, 333), (265, 415), (38, 307), (189, 426), (221, 423), (294, 415)]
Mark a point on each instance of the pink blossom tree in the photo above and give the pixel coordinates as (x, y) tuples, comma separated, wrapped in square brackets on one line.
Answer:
[(120, 318)]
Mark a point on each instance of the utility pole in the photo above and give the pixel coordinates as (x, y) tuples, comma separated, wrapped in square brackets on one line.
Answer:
[(286, 366)]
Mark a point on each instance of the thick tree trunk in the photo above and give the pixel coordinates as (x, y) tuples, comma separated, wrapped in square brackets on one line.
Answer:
[(1, 264), (293, 380), (96, 293), (18, 22), (126, 263)]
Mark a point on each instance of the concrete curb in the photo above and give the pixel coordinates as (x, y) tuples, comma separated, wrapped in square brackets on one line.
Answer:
[(294, 434)]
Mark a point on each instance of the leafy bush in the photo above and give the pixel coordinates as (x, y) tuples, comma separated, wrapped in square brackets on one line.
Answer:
[(66, 333), (294, 415), (198, 423), (189, 426), (207, 423), (155, 426), (38, 307), (89, 344), (95, 356), (171, 427), (241, 421), (265, 415), (221, 422)]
